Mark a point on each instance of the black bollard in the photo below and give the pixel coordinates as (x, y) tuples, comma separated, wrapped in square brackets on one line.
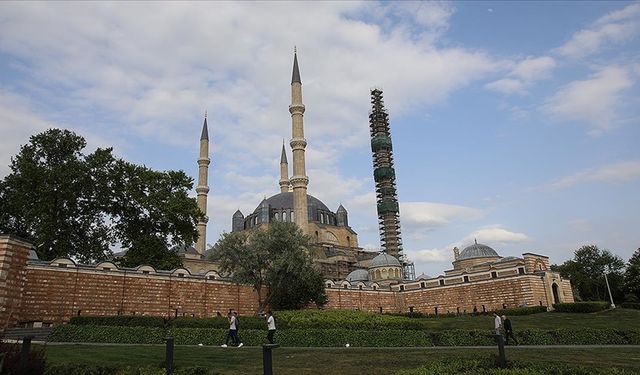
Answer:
[(267, 363), (24, 353), (169, 355), (502, 359)]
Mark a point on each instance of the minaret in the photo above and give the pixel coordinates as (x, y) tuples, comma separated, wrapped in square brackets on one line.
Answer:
[(284, 172), (203, 188), (384, 176), (299, 179)]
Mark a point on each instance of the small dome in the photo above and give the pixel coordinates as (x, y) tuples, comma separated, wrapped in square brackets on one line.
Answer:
[(358, 275), (477, 250), (423, 276), (384, 260)]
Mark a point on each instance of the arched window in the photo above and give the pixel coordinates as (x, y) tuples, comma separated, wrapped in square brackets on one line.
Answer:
[(277, 216), (348, 241), (378, 274), (293, 216)]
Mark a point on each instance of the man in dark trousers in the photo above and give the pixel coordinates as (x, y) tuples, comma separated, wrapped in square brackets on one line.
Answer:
[(271, 327), (508, 330)]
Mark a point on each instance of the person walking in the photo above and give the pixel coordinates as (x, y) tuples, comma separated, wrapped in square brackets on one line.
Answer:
[(497, 322), (508, 330), (238, 343), (233, 331), (271, 327)]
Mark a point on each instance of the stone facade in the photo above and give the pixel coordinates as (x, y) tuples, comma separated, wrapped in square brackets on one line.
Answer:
[(53, 292)]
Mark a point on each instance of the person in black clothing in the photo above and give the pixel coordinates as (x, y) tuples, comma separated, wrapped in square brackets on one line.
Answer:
[(508, 330)]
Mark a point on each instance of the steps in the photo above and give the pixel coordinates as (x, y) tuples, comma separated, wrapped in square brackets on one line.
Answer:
[(39, 334)]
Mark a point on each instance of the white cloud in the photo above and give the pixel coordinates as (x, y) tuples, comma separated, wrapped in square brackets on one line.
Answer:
[(495, 236), (612, 173), (595, 101), (425, 216), (507, 86), (613, 28), (523, 75)]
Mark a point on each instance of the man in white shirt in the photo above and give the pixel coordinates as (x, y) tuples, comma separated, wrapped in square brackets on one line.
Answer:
[(497, 322), (233, 331), (271, 327)]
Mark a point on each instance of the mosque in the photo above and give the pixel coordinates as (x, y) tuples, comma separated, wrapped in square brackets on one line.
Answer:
[(335, 248), (38, 292)]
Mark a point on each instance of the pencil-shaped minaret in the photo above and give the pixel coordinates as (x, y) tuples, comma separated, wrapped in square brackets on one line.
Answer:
[(384, 176), (284, 172), (203, 187), (299, 179)]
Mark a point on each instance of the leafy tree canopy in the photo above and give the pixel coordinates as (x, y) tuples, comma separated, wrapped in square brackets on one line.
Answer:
[(586, 272), (76, 205), (632, 276), (275, 258)]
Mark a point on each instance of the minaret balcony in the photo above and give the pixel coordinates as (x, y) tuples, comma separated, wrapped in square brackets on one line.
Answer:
[(298, 144), (296, 109)]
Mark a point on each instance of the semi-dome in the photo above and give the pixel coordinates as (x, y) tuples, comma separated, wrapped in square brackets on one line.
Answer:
[(384, 260), (358, 275), (285, 200), (477, 250)]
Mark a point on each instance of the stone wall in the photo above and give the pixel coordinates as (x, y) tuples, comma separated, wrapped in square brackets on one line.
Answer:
[(55, 291), (56, 294), (13, 259)]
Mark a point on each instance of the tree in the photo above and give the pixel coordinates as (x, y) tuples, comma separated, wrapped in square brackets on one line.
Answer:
[(632, 275), (75, 205), (275, 258), (586, 272), (50, 197)]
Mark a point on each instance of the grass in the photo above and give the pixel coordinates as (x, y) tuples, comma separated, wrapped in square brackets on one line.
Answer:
[(617, 318), (335, 361)]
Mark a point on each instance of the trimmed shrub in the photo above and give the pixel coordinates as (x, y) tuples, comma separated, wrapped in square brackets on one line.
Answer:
[(129, 335), (244, 322), (522, 310), (82, 369), (581, 307), (488, 367), (119, 320)]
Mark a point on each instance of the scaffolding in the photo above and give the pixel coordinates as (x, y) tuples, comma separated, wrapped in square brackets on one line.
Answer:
[(385, 179)]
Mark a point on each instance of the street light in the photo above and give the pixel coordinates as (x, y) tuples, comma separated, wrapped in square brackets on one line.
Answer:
[(613, 305)]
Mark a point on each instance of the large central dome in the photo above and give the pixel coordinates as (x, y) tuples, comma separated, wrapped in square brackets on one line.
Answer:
[(285, 200)]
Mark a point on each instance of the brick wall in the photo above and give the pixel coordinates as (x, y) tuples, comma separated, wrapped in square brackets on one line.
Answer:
[(58, 291), (13, 258)]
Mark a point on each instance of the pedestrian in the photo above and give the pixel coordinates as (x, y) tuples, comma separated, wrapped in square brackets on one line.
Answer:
[(497, 322), (508, 330), (271, 327), (233, 331), (239, 343)]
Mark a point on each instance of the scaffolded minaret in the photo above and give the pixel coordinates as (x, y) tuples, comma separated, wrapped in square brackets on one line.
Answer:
[(203, 187), (385, 178), (284, 172), (299, 179)]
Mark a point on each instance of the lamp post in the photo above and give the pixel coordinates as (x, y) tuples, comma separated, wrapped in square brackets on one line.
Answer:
[(613, 305)]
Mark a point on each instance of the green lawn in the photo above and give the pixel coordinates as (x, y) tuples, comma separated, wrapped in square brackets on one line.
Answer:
[(617, 318), (335, 361)]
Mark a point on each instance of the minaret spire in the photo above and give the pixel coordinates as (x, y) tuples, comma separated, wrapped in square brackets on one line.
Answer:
[(202, 189), (284, 171), (299, 179)]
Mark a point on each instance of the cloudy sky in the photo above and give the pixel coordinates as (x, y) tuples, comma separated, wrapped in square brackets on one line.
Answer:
[(516, 123)]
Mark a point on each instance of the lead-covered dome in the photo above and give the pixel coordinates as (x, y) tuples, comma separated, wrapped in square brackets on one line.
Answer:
[(358, 275), (384, 260), (477, 250), (285, 200)]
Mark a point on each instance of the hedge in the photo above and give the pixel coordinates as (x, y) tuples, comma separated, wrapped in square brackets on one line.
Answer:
[(339, 337), (489, 367), (82, 369), (581, 307), (119, 320)]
